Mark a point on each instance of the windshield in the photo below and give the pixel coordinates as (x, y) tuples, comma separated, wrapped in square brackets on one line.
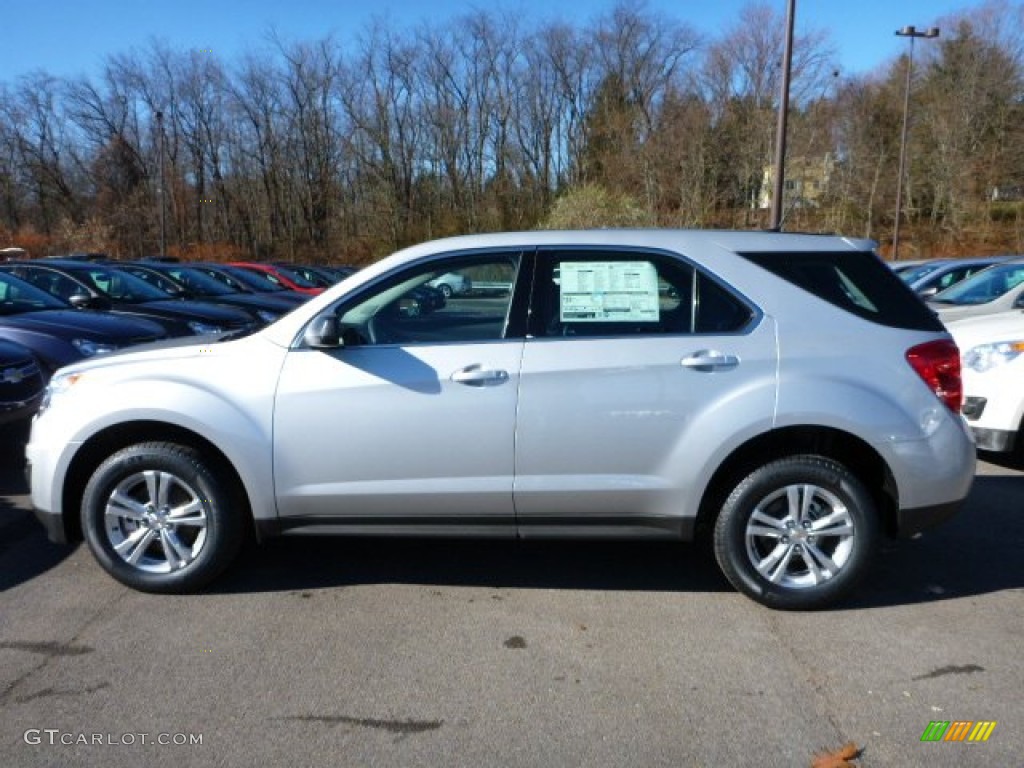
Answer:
[(331, 274), (913, 274), (200, 283), (300, 280), (17, 296), (254, 281), (158, 279), (120, 286), (983, 287)]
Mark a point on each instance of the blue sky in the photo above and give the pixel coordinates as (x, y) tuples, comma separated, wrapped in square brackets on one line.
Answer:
[(71, 38)]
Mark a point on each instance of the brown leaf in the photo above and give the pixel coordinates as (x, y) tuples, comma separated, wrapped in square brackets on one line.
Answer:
[(839, 758)]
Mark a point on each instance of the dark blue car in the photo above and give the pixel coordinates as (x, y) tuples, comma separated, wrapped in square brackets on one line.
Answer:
[(58, 334), (21, 382), (101, 286)]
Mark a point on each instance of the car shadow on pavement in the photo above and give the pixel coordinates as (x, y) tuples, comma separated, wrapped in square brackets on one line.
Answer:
[(975, 553), (24, 550), (321, 562), (1012, 460)]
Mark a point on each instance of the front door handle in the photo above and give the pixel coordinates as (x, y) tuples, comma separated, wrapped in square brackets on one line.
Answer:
[(707, 360), (478, 376)]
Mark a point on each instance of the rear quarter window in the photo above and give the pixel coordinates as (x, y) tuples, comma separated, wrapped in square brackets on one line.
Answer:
[(855, 281)]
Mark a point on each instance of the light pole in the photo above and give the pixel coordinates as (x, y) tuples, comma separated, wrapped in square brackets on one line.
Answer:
[(163, 213), (780, 133), (911, 32)]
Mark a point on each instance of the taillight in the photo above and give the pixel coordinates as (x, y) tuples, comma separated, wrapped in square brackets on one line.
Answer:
[(938, 363)]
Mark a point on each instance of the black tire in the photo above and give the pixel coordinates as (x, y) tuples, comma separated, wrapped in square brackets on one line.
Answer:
[(808, 522), (179, 541)]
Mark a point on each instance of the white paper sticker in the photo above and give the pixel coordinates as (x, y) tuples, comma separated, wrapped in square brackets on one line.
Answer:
[(608, 292)]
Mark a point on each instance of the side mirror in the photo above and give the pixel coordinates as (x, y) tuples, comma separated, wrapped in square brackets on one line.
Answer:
[(927, 293), (324, 333), (85, 301)]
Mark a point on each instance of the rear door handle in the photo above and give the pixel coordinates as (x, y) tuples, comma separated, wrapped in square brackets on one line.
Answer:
[(478, 376), (707, 360)]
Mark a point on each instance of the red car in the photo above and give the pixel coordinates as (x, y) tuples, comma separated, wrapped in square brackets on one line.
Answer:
[(283, 276)]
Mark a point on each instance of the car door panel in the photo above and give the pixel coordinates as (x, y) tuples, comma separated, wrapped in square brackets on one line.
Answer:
[(605, 424), (392, 432)]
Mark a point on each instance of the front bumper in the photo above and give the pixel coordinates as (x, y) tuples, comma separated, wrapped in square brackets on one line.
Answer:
[(1000, 440), (41, 465), (54, 526), (51, 521), (19, 410), (994, 407)]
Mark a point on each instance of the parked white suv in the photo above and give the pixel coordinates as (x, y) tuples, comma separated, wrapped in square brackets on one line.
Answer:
[(787, 395), (992, 349)]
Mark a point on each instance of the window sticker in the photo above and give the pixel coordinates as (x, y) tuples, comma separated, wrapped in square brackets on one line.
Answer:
[(608, 291)]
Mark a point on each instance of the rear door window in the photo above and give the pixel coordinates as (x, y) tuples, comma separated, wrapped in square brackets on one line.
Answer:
[(629, 293)]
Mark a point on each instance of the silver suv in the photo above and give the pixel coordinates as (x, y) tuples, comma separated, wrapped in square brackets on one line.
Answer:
[(786, 395)]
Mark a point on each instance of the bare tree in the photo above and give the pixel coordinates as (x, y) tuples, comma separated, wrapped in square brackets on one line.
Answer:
[(741, 81), (39, 131)]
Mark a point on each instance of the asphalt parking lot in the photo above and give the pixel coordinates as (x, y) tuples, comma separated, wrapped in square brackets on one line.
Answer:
[(393, 653)]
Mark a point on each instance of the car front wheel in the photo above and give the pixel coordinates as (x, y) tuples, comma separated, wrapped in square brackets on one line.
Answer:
[(158, 518), (797, 533)]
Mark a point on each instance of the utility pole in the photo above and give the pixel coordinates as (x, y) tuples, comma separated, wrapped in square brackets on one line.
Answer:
[(783, 117), (163, 212), (911, 32)]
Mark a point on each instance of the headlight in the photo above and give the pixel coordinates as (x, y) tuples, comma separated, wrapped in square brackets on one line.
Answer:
[(988, 356), (201, 329), (265, 316), (89, 348), (58, 385)]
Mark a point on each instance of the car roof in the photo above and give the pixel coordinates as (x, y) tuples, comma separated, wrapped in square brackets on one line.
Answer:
[(674, 239), (952, 262), (67, 264), (948, 265)]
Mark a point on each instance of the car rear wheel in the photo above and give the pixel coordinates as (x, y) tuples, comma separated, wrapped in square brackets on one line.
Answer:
[(157, 518), (797, 533)]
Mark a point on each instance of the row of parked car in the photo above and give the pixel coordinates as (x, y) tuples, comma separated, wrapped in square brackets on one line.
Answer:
[(981, 303), (56, 311)]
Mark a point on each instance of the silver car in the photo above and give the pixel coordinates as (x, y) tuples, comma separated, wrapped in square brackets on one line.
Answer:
[(999, 288), (932, 278), (785, 396)]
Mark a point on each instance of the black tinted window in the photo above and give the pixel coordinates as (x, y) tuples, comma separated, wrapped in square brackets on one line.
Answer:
[(856, 281)]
